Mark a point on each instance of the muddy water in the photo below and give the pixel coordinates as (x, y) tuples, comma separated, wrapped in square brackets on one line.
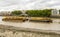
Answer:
[(35, 25)]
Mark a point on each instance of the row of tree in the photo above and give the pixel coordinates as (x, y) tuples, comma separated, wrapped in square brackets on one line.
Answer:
[(39, 13), (16, 12), (34, 13)]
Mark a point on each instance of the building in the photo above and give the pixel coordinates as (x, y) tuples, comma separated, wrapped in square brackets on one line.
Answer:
[(55, 12), (5, 13)]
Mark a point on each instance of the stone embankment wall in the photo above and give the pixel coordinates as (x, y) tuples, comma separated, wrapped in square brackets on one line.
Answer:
[(5, 32)]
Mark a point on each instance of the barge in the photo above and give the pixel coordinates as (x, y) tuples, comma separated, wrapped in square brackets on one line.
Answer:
[(40, 19), (22, 19)]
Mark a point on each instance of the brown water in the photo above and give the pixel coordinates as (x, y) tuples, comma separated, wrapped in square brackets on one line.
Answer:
[(36, 25)]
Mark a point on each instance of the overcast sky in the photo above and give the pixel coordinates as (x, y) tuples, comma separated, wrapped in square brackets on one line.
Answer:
[(28, 4)]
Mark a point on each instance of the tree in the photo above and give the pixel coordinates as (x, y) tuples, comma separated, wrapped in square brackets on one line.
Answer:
[(39, 13), (16, 12)]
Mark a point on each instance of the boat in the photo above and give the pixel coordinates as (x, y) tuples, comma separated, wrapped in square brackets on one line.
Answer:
[(23, 19), (40, 19), (14, 18)]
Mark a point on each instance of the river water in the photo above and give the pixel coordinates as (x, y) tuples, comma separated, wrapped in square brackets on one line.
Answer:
[(36, 25)]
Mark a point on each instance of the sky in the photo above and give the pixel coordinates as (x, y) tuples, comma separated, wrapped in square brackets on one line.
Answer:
[(28, 4)]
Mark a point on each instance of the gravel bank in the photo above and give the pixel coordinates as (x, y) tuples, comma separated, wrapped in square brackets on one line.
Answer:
[(10, 31)]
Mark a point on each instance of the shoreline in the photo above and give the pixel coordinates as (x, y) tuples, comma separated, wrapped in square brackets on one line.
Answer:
[(39, 17), (12, 28)]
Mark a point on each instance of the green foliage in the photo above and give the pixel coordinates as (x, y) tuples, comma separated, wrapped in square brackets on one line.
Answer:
[(59, 11), (16, 12), (39, 13)]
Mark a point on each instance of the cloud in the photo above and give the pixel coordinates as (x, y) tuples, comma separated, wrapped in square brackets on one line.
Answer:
[(28, 4), (47, 4)]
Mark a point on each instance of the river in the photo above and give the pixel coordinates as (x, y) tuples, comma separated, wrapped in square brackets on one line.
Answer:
[(55, 27), (36, 25)]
